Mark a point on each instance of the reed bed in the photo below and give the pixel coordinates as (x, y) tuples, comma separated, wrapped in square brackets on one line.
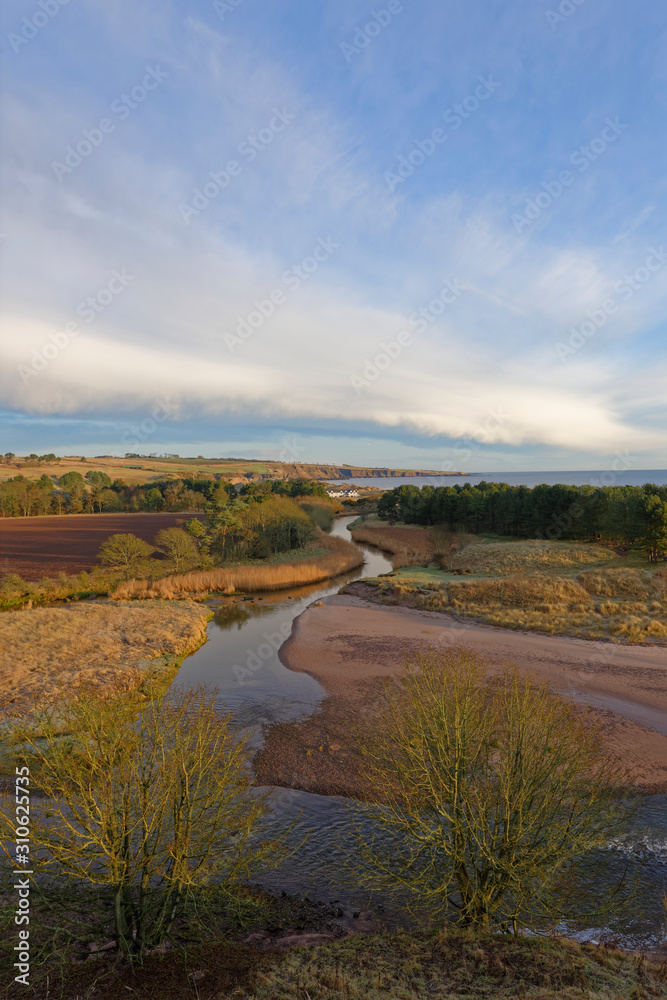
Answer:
[(340, 558), (408, 546)]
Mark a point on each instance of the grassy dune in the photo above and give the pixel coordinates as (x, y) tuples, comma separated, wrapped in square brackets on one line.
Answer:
[(339, 558), (546, 586), (503, 558), (552, 604), (45, 651)]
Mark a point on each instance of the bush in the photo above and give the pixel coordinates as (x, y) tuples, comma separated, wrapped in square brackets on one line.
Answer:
[(151, 805), (490, 795)]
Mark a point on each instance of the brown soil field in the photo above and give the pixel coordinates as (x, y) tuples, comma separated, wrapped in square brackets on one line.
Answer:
[(35, 547)]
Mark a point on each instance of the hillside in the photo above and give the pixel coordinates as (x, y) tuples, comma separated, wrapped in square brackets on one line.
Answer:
[(143, 469)]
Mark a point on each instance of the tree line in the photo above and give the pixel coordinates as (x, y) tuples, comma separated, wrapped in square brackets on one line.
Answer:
[(73, 493), (622, 515)]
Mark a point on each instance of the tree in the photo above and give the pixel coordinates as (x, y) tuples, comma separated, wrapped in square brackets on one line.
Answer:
[(177, 545), (70, 479), (9, 457), (195, 528), (654, 536), (150, 806), (489, 795), (124, 551)]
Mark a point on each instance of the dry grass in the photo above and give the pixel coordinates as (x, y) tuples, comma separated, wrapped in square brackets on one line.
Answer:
[(47, 650), (453, 965), (621, 582), (503, 558), (557, 605), (409, 546), (341, 557)]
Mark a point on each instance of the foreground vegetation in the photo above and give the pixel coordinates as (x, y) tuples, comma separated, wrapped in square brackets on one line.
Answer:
[(451, 965), (147, 831), (487, 796), (446, 965), (147, 806), (47, 651)]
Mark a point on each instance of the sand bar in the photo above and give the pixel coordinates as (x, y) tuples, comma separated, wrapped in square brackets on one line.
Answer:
[(349, 644)]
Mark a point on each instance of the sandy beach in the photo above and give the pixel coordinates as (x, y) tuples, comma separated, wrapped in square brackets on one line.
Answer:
[(350, 645)]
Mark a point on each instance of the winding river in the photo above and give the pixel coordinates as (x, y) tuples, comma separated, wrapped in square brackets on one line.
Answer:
[(241, 661)]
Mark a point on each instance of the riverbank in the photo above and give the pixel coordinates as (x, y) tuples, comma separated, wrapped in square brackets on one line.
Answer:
[(340, 556), (45, 652), (349, 645), (445, 965)]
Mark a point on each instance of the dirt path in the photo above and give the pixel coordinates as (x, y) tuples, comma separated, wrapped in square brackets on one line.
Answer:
[(349, 645)]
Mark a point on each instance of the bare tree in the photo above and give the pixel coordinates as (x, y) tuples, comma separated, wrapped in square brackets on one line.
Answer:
[(489, 796)]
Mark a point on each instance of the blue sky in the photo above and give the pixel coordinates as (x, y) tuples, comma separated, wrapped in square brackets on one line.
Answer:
[(433, 240)]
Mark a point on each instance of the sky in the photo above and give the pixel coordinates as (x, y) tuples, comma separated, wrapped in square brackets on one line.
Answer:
[(414, 234)]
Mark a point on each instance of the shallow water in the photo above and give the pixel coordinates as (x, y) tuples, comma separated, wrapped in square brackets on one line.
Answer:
[(241, 661)]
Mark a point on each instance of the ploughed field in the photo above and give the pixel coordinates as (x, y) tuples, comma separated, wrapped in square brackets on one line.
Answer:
[(36, 547)]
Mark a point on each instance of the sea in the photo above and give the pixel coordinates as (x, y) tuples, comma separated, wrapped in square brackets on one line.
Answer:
[(597, 477)]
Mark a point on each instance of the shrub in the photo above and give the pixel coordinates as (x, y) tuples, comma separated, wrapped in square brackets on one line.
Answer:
[(150, 805), (489, 795)]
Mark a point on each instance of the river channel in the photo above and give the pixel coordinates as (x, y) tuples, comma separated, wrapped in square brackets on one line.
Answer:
[(240, 660)]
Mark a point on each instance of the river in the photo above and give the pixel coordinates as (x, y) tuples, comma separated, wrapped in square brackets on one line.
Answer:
[(240, 660)]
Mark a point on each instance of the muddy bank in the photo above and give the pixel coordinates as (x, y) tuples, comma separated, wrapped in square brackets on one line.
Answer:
[(349, 645)]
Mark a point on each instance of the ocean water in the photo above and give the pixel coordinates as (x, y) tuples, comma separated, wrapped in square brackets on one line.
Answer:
[(597, 477)]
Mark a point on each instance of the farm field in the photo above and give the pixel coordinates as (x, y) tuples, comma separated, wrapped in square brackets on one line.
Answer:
[(36, 547)]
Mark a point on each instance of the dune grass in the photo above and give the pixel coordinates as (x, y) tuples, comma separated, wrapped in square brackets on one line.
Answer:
[(619, 604), (448, 965), (44, 651), (502, 558), (340, 557)]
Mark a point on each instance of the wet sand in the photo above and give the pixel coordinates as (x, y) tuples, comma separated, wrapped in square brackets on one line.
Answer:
[(350, 644)]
